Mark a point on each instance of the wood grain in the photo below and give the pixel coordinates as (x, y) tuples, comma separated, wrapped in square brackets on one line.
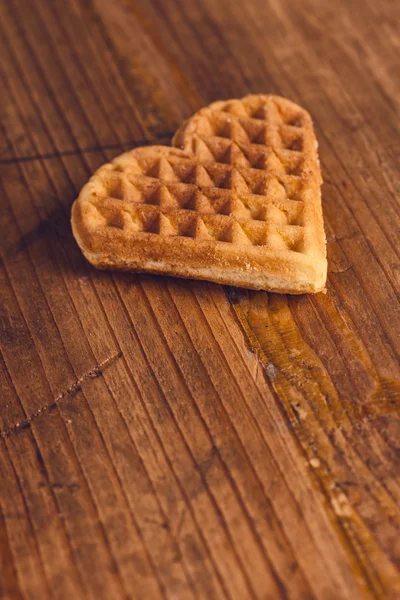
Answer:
[(170, 439)]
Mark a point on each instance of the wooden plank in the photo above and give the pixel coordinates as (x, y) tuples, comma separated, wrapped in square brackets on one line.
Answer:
[(169, 439)]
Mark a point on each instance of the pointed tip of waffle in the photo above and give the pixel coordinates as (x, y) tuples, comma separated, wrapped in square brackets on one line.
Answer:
[(238, 235), (201, 231), (201, 204), (162, 169), (201, 149), (165, 226)]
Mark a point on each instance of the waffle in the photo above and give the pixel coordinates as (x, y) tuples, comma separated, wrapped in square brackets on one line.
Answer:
[(236, 202)]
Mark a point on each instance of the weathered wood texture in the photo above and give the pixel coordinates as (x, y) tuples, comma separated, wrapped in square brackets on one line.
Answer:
[(169, 439)]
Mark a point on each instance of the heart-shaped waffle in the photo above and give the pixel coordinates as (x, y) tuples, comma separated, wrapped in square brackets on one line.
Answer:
[(238, 203)]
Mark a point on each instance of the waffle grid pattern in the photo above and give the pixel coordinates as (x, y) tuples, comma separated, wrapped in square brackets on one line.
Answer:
[(241, 183)]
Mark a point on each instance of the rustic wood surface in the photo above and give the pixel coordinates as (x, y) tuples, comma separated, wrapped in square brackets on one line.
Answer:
[(171, 439)]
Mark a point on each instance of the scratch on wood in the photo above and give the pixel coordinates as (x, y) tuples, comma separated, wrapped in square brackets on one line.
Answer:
[(162, 137), (343, 270), (180, 522), (71, 391)]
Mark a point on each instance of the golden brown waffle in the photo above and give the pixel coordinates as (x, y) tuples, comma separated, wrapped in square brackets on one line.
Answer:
[(239, 203)]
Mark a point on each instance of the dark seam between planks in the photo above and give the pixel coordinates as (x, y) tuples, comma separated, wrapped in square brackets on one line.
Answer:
[(181, 487), (136, 525), (72, 390), (113, 61), (13, 584), (288, 424), (43, 469), (171, 537), (231, 478), (184, 496), (174, 541), (81, 65), (227, 472), (124, 494), (42, 67), (257, 426), (58, 154), (27, 87), (98, 98), (112, 66), (22, 495), (31, 527), (92, 88), (206, 488), (42, 78), (245, 508)]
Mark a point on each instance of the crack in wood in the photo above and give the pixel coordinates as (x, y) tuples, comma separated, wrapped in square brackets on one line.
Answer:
[(58, 223), (73, 389), (344, 270), (162, 137)]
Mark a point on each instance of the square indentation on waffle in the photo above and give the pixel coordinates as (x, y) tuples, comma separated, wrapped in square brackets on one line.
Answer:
[(169, 194), (216, 227), (211, 188), (257, 133), (210, 174)]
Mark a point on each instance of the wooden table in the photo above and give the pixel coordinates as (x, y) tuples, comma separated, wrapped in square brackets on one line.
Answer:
[(180, 440)]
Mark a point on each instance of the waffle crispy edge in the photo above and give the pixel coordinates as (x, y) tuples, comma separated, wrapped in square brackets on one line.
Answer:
[(238, 203)]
